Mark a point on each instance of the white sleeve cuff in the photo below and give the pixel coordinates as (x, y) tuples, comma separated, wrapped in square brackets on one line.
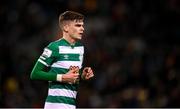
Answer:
[(59, 77)]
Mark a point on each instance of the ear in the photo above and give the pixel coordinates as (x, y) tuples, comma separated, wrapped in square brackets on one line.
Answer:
[(65, 28)]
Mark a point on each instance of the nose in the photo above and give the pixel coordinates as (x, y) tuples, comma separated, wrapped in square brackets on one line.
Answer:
[(82, 28)]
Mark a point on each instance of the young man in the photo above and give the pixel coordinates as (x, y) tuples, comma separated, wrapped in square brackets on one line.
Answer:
[(63, 58)]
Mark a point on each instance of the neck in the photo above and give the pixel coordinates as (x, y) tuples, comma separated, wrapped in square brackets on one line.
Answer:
[(69, 39)]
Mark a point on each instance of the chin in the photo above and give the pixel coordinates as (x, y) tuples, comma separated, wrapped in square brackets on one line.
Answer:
[(79, 38)]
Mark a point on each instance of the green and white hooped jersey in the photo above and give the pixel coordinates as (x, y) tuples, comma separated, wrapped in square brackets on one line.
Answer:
[(59, 56)]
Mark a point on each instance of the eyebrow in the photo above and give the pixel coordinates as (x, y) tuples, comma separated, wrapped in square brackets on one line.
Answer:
[(78, 24)]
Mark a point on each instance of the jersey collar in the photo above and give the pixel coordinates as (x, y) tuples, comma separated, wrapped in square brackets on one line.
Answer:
[(72, 45)]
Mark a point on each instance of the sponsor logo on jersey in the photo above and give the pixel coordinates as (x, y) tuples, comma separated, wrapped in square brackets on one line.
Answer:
[(66, 56)]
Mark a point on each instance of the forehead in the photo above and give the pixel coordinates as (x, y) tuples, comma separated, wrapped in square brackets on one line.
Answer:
[(80, 22)]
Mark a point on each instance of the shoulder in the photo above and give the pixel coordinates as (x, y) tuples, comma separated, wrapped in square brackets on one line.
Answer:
[(53, 45)]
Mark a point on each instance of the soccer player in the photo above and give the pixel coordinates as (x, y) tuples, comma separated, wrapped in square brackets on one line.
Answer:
[(61, 63)]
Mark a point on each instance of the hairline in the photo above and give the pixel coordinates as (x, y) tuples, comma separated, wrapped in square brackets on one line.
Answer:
[(66, 22)]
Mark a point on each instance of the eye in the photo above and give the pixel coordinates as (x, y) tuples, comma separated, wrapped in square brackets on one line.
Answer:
[(78, 25)]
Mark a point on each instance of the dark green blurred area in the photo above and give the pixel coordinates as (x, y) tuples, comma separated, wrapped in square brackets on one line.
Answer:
[(132, 45)]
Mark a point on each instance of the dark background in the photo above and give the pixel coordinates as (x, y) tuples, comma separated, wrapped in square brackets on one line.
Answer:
[(132, 45)]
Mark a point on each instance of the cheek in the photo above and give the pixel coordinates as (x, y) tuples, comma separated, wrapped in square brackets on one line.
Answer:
[(74, 30), (71, 31)]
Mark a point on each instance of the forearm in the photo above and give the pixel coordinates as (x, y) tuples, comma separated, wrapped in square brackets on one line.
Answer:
[(38, 73)]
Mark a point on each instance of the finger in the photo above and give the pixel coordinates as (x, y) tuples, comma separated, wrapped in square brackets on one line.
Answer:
[(86, 69), (74, 81), (89, 72), (72, 71), (89, 69), (71, 67), (76, 75), (91, 75), (76, 70), (88, 75)]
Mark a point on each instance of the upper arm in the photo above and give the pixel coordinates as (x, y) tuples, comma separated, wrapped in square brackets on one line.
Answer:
[(44, 62), (48, 55)]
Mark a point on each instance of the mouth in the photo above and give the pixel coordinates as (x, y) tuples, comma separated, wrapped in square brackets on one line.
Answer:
[(81, 34)]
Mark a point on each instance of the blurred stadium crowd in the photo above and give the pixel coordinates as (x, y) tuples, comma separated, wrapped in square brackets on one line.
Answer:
[(132, 45)]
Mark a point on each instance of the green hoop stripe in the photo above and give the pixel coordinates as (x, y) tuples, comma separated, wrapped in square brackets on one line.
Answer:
[(61, 99)]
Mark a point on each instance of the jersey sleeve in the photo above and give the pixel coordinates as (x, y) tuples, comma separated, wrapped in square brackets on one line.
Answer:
[(48, 55), (39, 71)]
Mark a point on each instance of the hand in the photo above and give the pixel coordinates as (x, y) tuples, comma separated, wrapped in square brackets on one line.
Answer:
[(87, 73), (71, 76), (74, 67)]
